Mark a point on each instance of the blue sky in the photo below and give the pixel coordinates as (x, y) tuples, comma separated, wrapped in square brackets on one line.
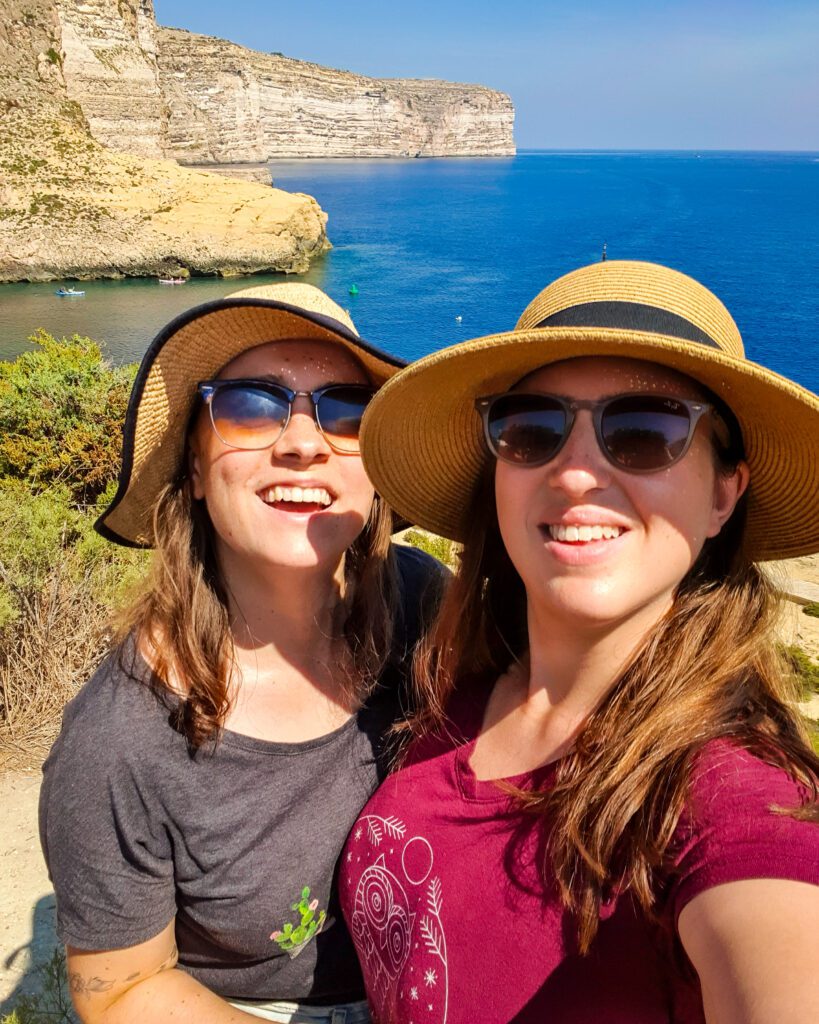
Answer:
[(623, 74)]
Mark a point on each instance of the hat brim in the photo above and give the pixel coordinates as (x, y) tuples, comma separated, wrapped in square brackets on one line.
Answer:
[(423, 447), (194, 347)]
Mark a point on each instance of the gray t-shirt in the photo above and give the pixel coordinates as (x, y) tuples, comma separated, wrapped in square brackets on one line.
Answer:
[(239, 842)]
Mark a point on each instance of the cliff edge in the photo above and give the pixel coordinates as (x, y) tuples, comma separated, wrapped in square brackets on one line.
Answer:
[(72, 208), (228, 103)]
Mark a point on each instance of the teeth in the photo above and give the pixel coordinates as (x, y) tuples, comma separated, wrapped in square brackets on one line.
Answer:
[(307, 495), (584, 533)]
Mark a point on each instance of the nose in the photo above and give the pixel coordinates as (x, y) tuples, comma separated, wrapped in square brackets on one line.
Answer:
[(301, 439), (580, 466)]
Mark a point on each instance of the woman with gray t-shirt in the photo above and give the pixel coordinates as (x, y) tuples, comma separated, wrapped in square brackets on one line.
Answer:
[(206, 777)]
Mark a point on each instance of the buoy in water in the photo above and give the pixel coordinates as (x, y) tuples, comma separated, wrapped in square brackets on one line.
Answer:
[(458, 319), (353, 289)]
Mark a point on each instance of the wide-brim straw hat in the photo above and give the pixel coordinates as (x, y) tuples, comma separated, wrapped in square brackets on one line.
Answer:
[(194, 347), (422, 440)]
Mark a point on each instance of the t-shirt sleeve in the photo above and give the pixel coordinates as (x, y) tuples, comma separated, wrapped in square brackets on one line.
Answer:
[(733, 827), (105, 844)]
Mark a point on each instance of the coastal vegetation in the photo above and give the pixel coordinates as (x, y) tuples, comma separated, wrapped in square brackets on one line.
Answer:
[(61, 412)]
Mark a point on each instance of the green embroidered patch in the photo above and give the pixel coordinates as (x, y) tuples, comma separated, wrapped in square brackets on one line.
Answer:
[(292, 938)]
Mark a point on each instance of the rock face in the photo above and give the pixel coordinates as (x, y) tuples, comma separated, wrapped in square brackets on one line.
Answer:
[(228, 104), (109, 65), (158, 92), (70, 207), (91, 91), (244, 172)]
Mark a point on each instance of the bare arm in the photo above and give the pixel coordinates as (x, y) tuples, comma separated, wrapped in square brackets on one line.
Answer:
[(142, 983), (753, 944)]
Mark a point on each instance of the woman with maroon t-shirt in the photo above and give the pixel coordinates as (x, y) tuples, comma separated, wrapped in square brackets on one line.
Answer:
[(608, 812)]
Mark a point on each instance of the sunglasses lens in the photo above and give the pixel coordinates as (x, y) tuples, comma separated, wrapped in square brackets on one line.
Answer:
[(525, 429), (340, 411), (643, 432), (248, 417)]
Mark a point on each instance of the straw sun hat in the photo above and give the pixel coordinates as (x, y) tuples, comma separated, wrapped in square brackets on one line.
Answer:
[(422, 441), (194, 347)]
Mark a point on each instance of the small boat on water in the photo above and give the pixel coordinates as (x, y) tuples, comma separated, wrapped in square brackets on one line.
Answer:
[(172, 280), (69, 293)]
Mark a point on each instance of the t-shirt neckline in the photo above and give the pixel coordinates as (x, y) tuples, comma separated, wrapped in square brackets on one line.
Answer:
[(468, 715)]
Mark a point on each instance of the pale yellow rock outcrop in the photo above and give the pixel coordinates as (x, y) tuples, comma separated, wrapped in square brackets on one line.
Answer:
[(70, 207)]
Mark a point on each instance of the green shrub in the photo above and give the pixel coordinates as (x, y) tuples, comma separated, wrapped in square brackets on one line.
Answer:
[(52, 1004), (804, 668), (61, 413), (812, 609), (62, 409), (44, 529), (439, 547), (812, 729)]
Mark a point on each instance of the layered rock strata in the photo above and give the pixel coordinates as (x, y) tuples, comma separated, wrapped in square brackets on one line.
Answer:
[(244, 172), (108, 54), (230, 104), (70, 207)]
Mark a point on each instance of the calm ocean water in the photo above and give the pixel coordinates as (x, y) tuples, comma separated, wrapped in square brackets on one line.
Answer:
[(426, 241)]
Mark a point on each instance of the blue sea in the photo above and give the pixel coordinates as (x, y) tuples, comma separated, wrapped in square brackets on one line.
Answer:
[(426, 241)]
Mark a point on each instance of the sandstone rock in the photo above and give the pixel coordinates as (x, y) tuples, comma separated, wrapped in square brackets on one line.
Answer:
[(244, 172), (80, 79), (228, 103), (70, 207), (109, 66)]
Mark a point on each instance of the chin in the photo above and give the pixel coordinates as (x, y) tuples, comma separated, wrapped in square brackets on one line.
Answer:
[(302, 556), (586, 603)]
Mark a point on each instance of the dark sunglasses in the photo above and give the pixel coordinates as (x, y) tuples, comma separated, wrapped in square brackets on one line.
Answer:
[(253, 414), (637, 433)]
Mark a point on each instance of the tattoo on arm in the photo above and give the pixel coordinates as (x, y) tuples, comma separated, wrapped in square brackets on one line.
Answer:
[(82, 986)]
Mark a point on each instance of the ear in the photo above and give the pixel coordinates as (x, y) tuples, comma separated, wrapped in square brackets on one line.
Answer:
[(728, 489), (194, 461)]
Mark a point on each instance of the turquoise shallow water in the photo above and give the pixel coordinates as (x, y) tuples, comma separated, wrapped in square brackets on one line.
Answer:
[(428, 240)]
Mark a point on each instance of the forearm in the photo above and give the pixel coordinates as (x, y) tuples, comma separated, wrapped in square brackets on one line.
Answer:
[(142, 983), (168, 995)]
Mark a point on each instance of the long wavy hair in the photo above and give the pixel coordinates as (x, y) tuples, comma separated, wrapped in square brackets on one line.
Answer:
[(709, 669), (184, 604)]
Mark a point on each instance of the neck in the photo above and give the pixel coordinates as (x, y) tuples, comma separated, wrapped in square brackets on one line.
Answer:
[(282, 614), (571, 668)]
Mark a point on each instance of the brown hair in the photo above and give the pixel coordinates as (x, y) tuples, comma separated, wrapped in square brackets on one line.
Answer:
[(184, 602), (709, 669)]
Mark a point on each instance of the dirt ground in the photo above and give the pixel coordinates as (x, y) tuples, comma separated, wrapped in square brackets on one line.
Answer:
[(27, 935)]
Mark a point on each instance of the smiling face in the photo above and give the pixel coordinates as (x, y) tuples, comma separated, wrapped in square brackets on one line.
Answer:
[(250, 494), (595, 545)]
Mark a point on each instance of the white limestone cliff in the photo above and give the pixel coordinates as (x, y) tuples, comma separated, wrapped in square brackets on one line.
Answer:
[(230, 104)]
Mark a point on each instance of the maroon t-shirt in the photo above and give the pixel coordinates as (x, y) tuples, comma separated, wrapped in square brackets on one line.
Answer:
[(443, 892)]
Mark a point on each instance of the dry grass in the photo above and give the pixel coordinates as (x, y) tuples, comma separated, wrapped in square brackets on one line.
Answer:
[(46, 654)]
